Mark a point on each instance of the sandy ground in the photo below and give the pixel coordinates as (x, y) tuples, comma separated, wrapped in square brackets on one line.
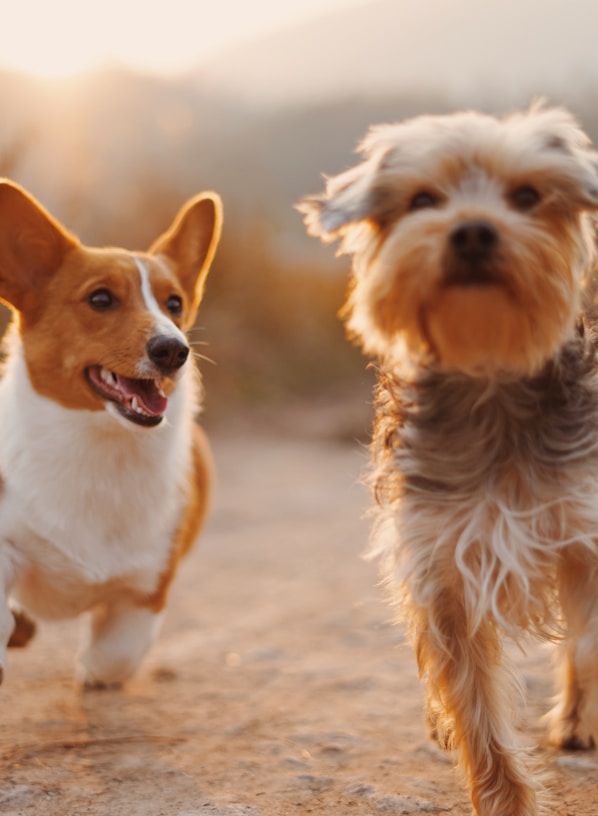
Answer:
[(278, 686)]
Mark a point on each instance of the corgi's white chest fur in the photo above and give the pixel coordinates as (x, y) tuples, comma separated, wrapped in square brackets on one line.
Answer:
[(88, 500)]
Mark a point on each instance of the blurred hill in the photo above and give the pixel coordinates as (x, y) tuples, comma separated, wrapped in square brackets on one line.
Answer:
[(99, 150), (505, 48), (264, 120), (114, 154)]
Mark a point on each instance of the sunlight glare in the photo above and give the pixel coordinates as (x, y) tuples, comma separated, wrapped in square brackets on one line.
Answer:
[(65, 37)]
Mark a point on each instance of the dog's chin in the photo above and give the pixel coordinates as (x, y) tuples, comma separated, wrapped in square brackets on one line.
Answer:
[(483, 329), (472, 277), (140, 401)]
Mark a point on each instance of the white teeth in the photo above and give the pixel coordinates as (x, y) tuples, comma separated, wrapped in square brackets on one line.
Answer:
[(108, 377), (134, 406)]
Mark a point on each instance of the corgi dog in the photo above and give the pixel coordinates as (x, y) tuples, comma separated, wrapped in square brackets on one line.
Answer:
[(104, 475)]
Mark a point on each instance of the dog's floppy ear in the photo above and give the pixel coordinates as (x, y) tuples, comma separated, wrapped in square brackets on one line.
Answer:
[(32, 244), (569, 144), (355, 196), (349, 198), (191, 241), (585, 176)]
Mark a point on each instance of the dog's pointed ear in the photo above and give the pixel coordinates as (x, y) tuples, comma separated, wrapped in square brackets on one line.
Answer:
[(191, 241), (32, 244)]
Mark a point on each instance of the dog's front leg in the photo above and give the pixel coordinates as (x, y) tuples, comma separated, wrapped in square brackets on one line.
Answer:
[(574, 720), (471, 700), (121, 634), (7, 624), (7, 621)]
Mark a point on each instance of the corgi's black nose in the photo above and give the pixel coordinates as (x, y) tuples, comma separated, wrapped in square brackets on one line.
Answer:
[(167, 353)]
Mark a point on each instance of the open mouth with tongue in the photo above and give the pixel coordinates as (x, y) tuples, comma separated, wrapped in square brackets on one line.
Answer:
[(141, 401)]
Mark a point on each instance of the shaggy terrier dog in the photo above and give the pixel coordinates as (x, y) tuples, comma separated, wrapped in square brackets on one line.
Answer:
[(471, 242)]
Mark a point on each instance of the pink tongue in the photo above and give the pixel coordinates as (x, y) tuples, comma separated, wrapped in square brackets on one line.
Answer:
[(148, 396)]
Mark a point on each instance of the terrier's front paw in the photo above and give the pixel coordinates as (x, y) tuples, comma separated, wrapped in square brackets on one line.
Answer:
[(440, 729), (569, 732)]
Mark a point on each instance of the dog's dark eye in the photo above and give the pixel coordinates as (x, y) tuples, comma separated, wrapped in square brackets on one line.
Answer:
[(101, 300), (525, 198), (174, 304), (421, 201)]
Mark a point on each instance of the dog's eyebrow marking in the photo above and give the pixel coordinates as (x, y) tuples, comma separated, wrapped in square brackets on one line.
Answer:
[(163, 324)]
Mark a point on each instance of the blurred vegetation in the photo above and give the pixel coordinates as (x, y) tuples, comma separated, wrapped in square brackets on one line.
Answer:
[(271, 327), (115, 155), (267, 330)]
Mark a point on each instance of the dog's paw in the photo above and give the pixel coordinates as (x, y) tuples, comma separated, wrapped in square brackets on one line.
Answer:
[(571, 737), (102, 675), (569, 733), (90, 684), (577, 743), (24, 630), (440, 729)]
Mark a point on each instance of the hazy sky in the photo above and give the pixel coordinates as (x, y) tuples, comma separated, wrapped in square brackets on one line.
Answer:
[(53, 38)]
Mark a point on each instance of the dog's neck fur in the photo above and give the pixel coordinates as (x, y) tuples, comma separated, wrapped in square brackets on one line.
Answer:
[(451, 434), (487, 483)]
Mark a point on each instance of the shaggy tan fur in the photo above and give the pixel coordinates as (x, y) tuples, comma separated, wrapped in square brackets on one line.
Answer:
[(471, 240)]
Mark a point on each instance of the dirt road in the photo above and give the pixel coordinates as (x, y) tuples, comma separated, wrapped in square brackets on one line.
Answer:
[(278, 686)]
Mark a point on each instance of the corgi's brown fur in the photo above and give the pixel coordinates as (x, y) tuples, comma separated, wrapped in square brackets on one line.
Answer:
[(105, 477)]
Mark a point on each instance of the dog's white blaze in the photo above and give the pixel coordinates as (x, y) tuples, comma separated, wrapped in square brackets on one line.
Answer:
[(164, 325)]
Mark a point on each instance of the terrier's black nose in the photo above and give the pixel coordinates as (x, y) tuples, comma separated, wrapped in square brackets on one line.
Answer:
[(474, 240), (167, 353)]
